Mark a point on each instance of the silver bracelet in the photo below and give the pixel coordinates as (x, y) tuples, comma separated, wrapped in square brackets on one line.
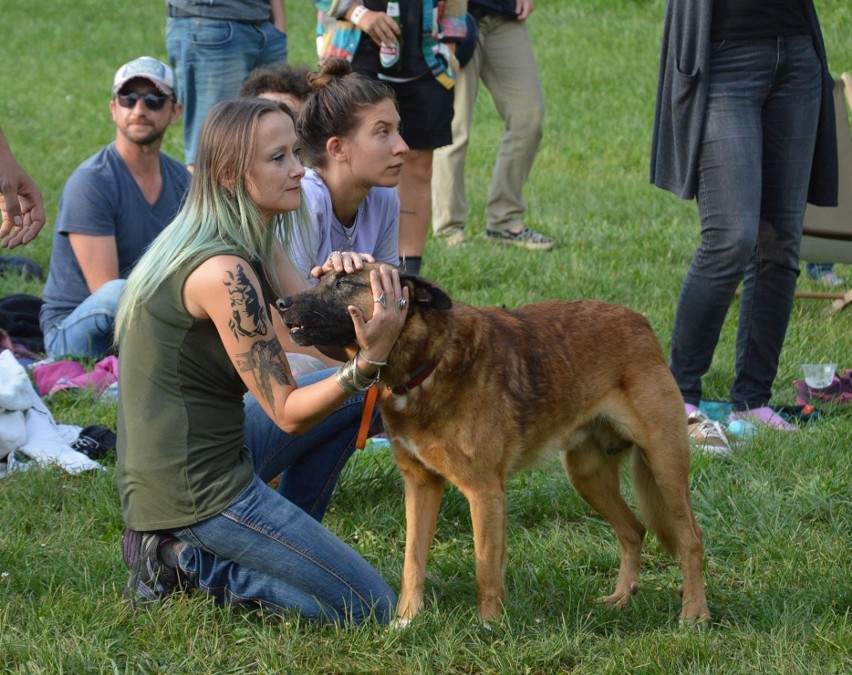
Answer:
[(364, 378), (351, 381), (345, 380), (378, 364)]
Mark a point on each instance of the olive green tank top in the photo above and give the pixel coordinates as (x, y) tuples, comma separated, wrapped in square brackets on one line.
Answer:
[(181, 453)]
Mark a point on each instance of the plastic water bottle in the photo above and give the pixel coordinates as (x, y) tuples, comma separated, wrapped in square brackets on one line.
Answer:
[(390, 53)]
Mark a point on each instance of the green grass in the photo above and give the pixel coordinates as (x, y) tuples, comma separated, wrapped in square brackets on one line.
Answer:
[(777, 515)]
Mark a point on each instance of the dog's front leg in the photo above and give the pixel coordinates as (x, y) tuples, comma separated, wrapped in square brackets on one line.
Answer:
[(488, 515), (423, 492)]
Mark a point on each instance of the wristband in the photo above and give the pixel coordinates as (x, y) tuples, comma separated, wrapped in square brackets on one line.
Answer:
[(358, 14)]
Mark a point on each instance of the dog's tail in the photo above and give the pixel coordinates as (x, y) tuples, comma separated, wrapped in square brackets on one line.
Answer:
[(652, 506)]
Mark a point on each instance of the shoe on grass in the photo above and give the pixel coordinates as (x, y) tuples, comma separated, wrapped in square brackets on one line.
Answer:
[(763, 417), (526, 238), (150, 579), (454, 237), (830, 279), (706, 434)]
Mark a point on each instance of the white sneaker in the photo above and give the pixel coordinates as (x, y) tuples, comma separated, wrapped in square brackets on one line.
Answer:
[(707, 435)]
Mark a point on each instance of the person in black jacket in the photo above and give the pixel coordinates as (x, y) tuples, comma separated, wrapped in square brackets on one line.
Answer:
[(745, 123)]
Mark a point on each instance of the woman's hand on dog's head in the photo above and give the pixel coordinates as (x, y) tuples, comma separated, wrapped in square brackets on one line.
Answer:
[(342, 261), (377, 335)]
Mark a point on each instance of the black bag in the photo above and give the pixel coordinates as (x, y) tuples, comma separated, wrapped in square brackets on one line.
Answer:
[(19, 318)]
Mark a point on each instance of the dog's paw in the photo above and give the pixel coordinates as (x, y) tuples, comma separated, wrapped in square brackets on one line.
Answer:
[(620, 599), (699, 623), (696, 615), (399, 623)]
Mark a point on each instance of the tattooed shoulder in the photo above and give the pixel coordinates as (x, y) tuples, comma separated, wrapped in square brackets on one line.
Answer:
[(248, 314)]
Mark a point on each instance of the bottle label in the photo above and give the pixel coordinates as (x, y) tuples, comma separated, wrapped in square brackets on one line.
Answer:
[(389, 54), (393, 10)]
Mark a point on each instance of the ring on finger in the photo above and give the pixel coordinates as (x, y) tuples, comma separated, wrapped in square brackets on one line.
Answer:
[(401, 303), (382, 300)]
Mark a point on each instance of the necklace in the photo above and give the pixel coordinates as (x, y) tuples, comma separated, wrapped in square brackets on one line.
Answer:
[(348, 233)]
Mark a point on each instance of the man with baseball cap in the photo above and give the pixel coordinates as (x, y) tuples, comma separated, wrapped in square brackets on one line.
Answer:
[(112, 207)]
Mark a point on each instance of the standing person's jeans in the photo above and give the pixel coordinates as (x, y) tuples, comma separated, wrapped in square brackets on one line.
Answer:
[(211, 58), (87, 332), (753, 177), (264, 549)]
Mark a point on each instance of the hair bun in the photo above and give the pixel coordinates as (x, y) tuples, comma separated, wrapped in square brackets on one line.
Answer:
[(332, 69)]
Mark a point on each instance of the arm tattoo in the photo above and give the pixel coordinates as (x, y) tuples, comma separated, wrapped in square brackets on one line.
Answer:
[(264, 362), (248, 316)]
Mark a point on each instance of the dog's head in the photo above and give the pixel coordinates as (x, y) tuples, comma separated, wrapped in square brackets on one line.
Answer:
[(320, 315)]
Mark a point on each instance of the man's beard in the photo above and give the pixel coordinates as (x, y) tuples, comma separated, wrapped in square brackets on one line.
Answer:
[(151, 136)]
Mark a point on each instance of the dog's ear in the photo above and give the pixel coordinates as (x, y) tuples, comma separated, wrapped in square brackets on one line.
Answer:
[(424, 292)]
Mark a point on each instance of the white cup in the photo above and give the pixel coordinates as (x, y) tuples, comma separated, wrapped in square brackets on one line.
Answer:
[(819, 375)]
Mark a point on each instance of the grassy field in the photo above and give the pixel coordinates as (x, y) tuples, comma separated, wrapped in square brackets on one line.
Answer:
[(776, 515)]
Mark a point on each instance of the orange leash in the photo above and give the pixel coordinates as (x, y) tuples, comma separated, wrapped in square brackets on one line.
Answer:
[(369, 405)]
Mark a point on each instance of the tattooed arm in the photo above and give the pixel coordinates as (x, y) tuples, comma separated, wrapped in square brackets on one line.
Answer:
[(226, 291)]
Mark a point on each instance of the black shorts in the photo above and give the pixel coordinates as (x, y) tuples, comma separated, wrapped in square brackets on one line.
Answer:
[(426, 109)]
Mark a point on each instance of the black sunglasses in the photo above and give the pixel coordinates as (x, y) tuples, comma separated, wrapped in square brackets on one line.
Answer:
[(152, 101)]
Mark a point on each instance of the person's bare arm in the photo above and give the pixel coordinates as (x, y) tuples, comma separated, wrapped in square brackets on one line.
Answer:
[(20, 201), (97, 257), (278, 15), (225, 290), (377, 25)]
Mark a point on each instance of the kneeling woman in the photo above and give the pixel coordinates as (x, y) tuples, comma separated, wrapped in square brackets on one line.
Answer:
[(195, 333)]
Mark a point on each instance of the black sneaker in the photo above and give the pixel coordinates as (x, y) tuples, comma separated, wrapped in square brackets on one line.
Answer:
[(95, 442), (526, 238), (150, 579)]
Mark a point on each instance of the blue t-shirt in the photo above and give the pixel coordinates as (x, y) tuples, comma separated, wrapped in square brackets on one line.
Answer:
[(102, 198), (375, 230)]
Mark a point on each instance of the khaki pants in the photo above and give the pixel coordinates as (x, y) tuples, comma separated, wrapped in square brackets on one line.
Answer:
[(504, 60)]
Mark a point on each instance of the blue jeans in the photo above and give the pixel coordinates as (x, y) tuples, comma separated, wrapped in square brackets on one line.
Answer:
[(87, 332), (312, 462), (269, 551), (211, 58), (753, 175)]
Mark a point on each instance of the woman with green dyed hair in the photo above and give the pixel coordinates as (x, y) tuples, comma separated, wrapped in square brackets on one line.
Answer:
[(195, 334)]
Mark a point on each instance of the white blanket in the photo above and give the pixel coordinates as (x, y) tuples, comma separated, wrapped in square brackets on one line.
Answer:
[(27, 429)]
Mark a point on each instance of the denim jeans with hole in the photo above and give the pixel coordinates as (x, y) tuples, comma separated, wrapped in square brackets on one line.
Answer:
[(753, 176), (211, 58), (87, 332), (272, 551)]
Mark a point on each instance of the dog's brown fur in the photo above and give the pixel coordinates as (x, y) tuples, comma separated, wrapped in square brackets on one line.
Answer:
[(586, 379)]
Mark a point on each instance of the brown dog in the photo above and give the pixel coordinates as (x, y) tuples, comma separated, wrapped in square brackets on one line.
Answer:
[(472, 395)]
